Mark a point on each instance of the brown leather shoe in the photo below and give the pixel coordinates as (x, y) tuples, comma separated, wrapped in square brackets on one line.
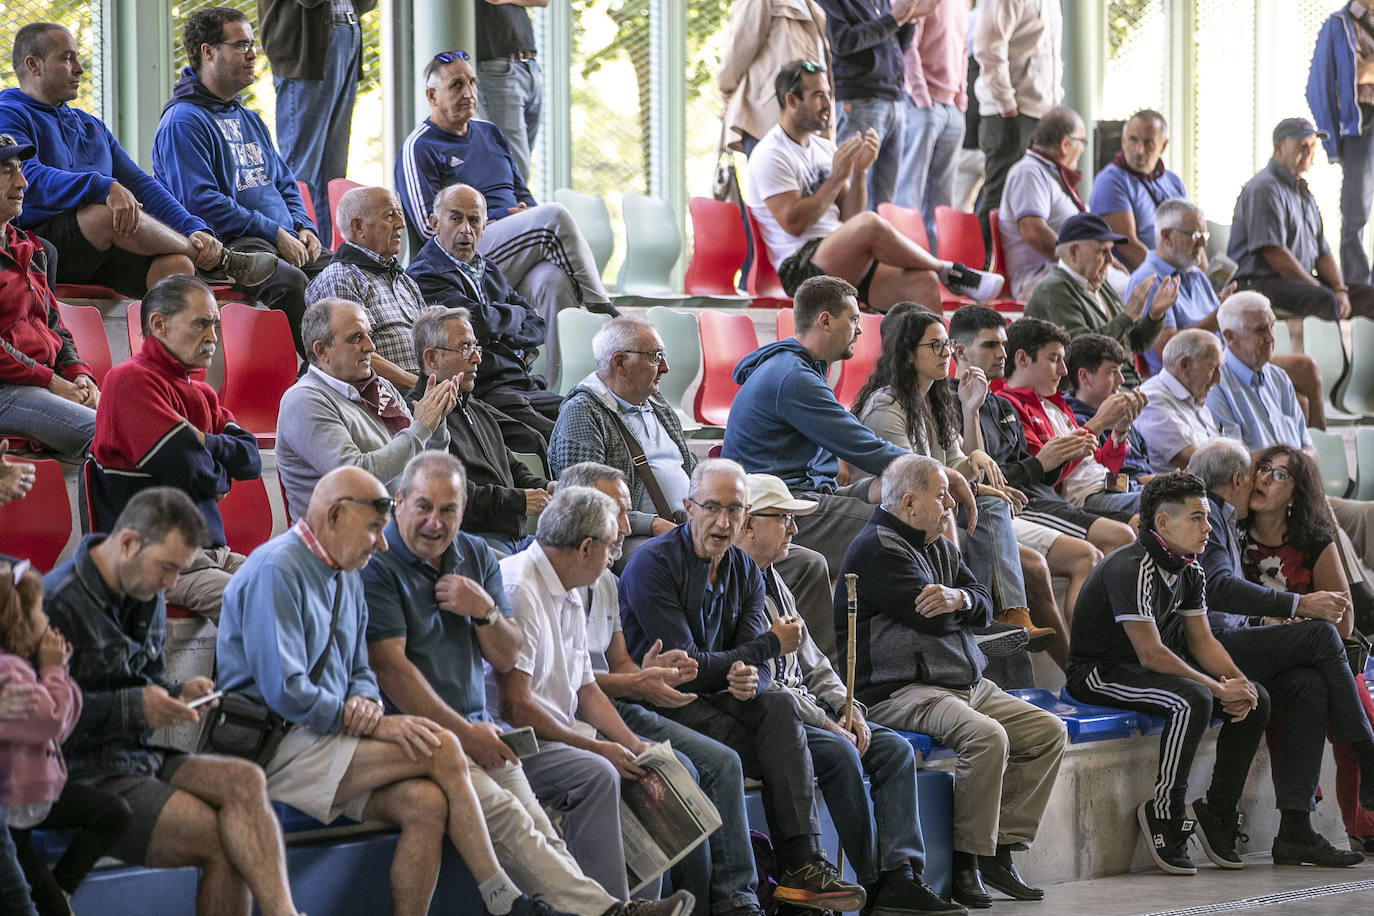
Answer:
[(1039, 637)]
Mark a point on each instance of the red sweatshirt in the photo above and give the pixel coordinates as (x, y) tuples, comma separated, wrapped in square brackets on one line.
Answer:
[(33, 342), (1030, 410)]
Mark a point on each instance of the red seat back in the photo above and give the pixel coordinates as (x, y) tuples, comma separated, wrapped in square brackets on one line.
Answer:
[(338, 187), (39, 525), (726, 338), (907, 221), (961, 238), (856, 370), (259, 364), (718, 248), (87, 327), (786, 326), (763, 277), (307, 201), (247, 515), (999, 257)]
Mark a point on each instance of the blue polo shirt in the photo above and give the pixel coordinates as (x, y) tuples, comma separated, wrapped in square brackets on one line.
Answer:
[(1116, 190), (443, 646), (1196, 298), (1258, 408)]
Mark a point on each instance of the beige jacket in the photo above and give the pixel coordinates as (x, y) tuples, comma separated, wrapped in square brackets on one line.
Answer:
[(764, 35), (1019, 48)]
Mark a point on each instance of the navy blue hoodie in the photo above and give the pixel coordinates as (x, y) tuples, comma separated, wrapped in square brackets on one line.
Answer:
[(785, 421), (78, 159), (218, 159)]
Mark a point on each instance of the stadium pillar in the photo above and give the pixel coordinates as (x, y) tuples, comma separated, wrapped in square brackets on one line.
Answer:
[(1083, 50), (140, 70)]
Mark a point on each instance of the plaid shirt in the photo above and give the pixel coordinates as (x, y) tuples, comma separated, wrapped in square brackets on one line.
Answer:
[(117, 644), (391, 298)]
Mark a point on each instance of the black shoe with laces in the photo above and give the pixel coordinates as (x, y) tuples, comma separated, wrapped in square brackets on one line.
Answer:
[(1314, 851), (817, 885), (905, 895), (679, 904), (526, 905), (1218, 834), (1167, 841)]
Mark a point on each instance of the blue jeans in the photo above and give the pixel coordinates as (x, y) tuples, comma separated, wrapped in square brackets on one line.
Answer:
[(930, 159), (880, 833), (14, 890), (315, 118), (1113, 504), (720, 870), (510, 94), (1357, 193), (886, 116), (63, 426), (505, 545), (992, 554)]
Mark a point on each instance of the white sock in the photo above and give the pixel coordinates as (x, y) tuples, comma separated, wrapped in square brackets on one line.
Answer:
[(498, 894)]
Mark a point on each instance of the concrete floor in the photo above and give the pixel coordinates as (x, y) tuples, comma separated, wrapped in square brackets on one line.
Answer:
[(1260, 887)]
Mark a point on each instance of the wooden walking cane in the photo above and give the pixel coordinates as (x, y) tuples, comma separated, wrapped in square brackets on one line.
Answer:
[(851, 584)]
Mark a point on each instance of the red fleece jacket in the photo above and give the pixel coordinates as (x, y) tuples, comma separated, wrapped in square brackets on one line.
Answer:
[(1030, 410), (33, 342)]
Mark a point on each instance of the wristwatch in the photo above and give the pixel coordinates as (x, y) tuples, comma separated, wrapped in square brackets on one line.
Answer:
[(492, 616)]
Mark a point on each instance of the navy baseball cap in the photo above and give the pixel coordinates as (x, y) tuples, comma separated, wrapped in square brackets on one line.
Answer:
[(10, 147), (1087, 227), (1297, 128)]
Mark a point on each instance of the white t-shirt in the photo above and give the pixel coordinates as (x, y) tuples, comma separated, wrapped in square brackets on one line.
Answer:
[(1091, 475), (778, 165)]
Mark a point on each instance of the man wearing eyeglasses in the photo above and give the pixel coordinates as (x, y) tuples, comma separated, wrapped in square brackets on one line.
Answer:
[(1076, 296), (218, 159), (450, 270), (695, 590)]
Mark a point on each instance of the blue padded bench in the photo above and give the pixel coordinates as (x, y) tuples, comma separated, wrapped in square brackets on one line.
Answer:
[(1083, 721), (926, 746)]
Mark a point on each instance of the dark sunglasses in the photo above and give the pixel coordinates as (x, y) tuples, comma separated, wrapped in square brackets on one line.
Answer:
[(448, 57), (384, 505), (806, 66)]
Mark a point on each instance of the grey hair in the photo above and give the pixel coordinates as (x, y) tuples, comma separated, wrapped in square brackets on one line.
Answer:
[(716, 466), (353, 205), (616, 336), (1169, 215), (1219, 460), (589, 474), (431, 328), (908, 474), (317, 324), (575, 514), (439, 198), (1231, 315), (432, 462), (1189, 344)]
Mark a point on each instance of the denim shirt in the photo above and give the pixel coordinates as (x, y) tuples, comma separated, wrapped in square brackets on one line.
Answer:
[(117, 643)]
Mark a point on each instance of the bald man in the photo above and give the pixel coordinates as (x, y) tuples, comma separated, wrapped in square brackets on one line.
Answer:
[(365, 269), (293, 633), (450, 271)]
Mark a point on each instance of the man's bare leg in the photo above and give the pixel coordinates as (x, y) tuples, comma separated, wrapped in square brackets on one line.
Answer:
[(1074, 558), (1044, 610), (912, 272), (1306, 377), (891, 285), (150, 238), (418, 807), (1107, 534), (220, 818)]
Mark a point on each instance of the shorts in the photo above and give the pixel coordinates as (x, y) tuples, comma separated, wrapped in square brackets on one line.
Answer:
[(78, 261), (306, 770), (145, 795), (797, 269), (1034, 535), (1059, 516)]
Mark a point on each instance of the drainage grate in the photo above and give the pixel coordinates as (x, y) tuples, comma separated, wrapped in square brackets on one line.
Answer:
[(1310, 893)]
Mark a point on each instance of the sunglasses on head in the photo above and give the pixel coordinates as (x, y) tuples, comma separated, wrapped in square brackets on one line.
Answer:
[(806, 66), (448, 57)]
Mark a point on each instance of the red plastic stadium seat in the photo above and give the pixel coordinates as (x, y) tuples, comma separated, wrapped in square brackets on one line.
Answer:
[(961, 239), (856, 370), (785, 324), (87, 328), (133, 315), (726, 338), (718, 248), (38, 526), (762, 283), (907, 221), (86, 291), (338, 187), (307, 201), (999, 266), (259, 365), (247, 515)]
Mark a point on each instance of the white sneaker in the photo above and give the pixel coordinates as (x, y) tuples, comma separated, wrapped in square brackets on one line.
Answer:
[(978, 285)]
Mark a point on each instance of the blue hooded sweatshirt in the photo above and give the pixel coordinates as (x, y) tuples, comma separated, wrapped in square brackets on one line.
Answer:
[(785, 421), (78, 159), (218, 158)]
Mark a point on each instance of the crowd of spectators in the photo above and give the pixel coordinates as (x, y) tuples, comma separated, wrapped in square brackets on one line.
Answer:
[(1133, 432)]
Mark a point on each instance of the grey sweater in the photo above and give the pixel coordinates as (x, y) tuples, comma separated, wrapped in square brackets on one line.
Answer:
[(318, 430)]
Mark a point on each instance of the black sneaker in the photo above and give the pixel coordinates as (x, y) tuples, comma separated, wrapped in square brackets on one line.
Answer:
[(1167, 842), (241, 268), (1001, 639), (679, 904), (978, 285), (1316, 851), (904, 896), (817, 885), (526, 905), (1218, 834)]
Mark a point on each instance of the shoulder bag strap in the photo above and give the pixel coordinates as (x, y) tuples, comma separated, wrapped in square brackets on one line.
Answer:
[(641, 464), (318, 668)]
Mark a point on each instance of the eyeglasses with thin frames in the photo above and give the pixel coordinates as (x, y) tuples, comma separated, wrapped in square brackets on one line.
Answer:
[(787, 518), (384, 505), (657, 357), (1279, 474), (466, 351), (943, 345), (245, 47), (734, 512), (1197, 235)]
